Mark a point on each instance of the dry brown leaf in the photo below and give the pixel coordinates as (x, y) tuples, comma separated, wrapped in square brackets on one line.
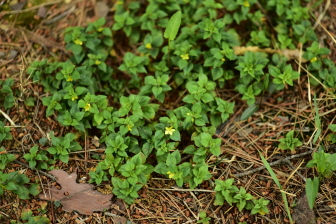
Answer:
[(288, 53), (302, 213), (120, 220), (75, 196), (101, 9)]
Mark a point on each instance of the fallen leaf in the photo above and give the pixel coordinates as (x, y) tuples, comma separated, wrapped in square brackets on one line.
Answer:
[(302, 213), (12, 54), (118, 207), (18, 6), (95, 141), (101, 9), (75, 196), (288, 53), (42, 12), (121, 220)]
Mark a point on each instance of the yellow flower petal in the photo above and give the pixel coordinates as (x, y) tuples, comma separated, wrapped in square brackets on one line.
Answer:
[(246, 4), (129, 127), (87, 107), (185, 56), (170, 175), (148, 46), (169, 130), (78, 42), (313, 59)]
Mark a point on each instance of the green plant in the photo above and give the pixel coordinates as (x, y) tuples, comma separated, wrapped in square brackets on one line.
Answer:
[(124, 21), (5, 158), (166, 94), (173, 26), (325, 163), (241, 8), (125, 190), (259, 38), (110, 163), (283, 78), (61, 146), (314, 54), (133, 64), (312, 187), (289, 142), (203, 218), (16, 182), (27, 217), (151, 44), (136, 170), (95, 38), (225, 191), (37, 158), (52, 103), (185, 172), (242, 196), (157, 86), (4, 132), (6, 93), (260, 206), (332, 136), (97, 176)]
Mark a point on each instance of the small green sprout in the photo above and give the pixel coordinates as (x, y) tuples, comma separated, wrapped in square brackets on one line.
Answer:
[(289, 142)]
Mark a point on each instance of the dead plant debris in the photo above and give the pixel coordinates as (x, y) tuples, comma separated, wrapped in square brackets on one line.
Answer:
[(76, 196)]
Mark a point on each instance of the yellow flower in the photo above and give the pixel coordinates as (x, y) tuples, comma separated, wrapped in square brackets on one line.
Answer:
[(100, 29), (69, 79), (171, 175), (169, 130), (97, 62), (87, 107), (148, 46), (129, 127), (313, 59), (223, 59), (184, 56), (78, 42), (188, 114), (261, 212), (74, 98), (246, 4)]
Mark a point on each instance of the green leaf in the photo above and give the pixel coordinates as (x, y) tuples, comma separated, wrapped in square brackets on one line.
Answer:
[(29, 102), (332, 127), (156, 91), (312, 187), (26, 215), (249, 112), (11, 186), (34, 189), (277, 182), (317, 121), (173, 26)]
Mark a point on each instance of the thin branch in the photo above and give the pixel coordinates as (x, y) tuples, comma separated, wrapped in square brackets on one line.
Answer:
[(273, 163), (40, 171)]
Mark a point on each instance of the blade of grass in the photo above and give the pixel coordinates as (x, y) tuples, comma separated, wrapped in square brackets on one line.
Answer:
[(317, 121), (277, 182), (312, 187)]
